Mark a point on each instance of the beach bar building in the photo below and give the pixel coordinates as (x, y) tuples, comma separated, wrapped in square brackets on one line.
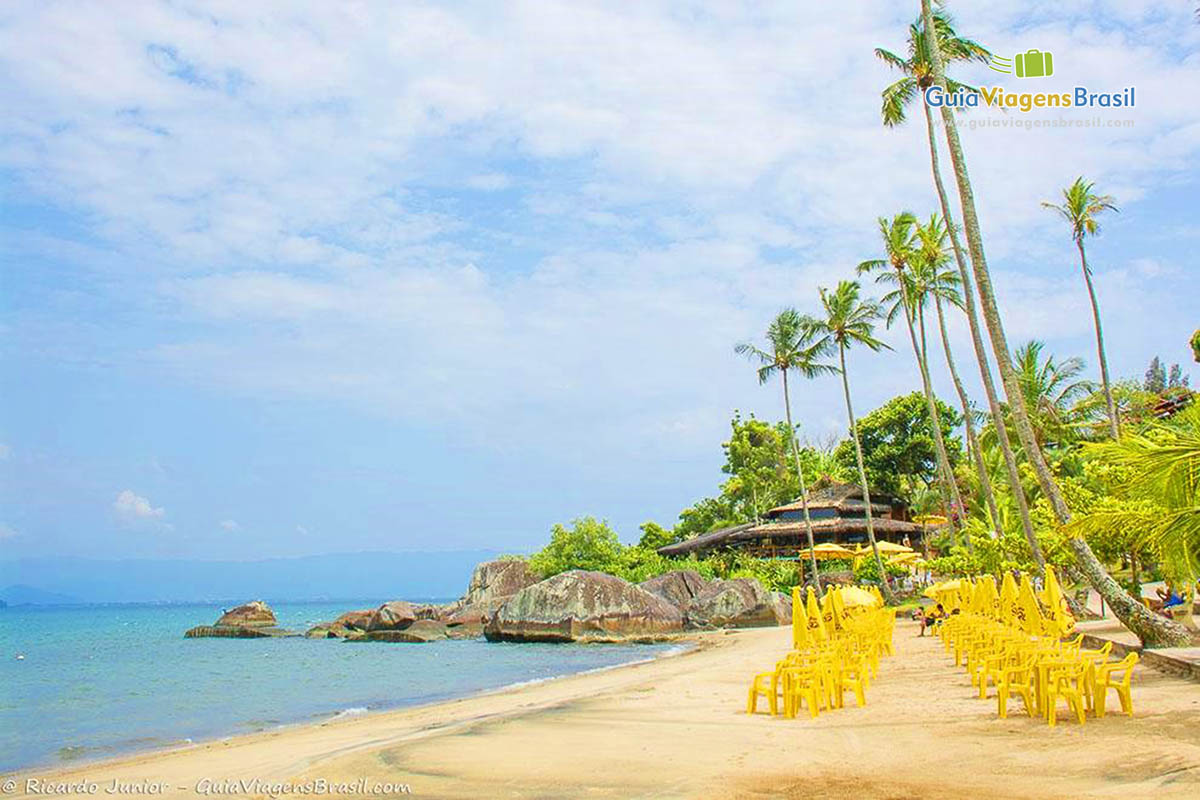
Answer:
[(839, 516)]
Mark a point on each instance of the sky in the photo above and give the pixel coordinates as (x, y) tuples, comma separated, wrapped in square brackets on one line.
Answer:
[(283, 280)]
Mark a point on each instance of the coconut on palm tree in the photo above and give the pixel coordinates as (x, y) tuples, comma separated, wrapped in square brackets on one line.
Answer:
[(918, 74), (791, 346), (850, 320), (900, 249), (1080, 207), (1151, 629)]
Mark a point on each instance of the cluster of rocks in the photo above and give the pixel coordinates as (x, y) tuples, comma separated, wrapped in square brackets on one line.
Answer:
[(592, 606), (253, 620), (506, 601)]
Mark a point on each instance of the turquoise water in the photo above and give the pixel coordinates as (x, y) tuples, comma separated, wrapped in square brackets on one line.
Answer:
[(101, 680)]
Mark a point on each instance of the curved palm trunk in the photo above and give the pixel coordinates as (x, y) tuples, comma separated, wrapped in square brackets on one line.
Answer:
[(947, 472), (808, 529), (884, 586), (1147, 626), (985, 482), (985, 369), (1114, 423)]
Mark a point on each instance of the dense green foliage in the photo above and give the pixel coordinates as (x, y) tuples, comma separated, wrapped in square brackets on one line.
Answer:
[(899, 453)]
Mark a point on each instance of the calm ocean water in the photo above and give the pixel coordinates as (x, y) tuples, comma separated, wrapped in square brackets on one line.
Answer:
[(101, 680)]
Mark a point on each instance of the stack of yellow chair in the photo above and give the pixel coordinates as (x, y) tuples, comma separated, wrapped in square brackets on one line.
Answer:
[(1010, 640), (837, 642)]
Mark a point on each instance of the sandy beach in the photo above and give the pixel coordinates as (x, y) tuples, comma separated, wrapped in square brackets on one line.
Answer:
[(676, 727)]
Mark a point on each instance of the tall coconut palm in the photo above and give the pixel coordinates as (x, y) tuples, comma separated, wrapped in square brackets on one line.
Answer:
[(918, 75), (791, 346), (1054, 393), (1080, 207), (849, 320), (933, 280), (1147, 626), (900, 249)]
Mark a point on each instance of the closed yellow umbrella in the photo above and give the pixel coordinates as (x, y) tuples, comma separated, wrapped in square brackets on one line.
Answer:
[(816, 628), (1008, 599), (799, 620), (1028, 614), (1059, 621)]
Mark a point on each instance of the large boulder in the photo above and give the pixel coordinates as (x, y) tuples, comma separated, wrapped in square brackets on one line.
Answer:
[(492, 583), (419, 632), (677, 587), (735, 603), (783, 608), (582, 605), (255, 614), (394, 616)]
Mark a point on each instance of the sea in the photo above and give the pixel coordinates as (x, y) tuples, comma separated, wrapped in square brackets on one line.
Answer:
[(93, 681)]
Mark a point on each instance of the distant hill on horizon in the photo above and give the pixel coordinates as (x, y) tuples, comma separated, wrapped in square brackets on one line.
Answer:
[(63, 580)]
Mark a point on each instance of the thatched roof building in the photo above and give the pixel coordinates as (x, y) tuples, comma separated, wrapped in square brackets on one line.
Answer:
[(838, 515)]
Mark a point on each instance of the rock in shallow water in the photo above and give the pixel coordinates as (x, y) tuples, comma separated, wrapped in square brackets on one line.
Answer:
[(255, 614), (580, 605)]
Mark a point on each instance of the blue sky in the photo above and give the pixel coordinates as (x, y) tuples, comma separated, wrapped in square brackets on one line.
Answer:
[(403, 277)]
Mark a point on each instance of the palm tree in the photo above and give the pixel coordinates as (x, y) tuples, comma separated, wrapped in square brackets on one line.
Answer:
[(1080, 207), (919, 74), (900, 249), (1160, 496), (1151, 629), (1054, 393), (932, 279), (848, 321), (791, 347)]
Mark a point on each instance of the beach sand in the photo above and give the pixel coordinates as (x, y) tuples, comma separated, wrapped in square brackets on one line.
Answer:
[(676, 727)]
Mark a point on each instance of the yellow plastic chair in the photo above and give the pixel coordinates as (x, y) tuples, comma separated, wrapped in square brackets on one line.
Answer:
[(1115, 676), (1017, 679), (1069, 683), (852, 675), (765, 684), (801, 684)]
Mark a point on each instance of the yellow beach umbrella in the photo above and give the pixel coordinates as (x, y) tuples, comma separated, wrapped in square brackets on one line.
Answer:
[(1008, 599), (854, 596), (1059, 621), (1028, 614), (904, 558), (885, 548), (816, 627), (930, 519), (799, 620), (830, 550)]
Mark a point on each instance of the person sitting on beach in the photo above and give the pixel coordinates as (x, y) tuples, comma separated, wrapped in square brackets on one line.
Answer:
[(932, 618)]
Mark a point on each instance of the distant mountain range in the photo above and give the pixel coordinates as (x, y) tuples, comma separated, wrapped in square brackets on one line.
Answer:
[(337, 576)]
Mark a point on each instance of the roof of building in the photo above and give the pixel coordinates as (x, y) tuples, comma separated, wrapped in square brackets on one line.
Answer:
[(844, 497)]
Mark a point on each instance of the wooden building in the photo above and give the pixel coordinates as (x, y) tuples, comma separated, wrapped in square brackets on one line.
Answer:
[(838, 515)]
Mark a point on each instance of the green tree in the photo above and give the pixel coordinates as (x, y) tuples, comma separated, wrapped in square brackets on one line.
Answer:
[(654, 536), (1159, 494), (900, 249), (588, 544), (1156, 377), (899, 453), (1054, 394), (1080, 207), (849, 320), (1195, 343), (790, 344), (1152, 630)]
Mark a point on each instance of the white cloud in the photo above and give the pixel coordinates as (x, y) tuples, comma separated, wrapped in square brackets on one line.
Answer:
[(132, 507), (287, 187), (229, 526)]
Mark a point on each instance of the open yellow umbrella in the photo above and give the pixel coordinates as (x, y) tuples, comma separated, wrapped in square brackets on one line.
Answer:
[(853, 596), (884, 547), (829, 550), (930, 519)]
